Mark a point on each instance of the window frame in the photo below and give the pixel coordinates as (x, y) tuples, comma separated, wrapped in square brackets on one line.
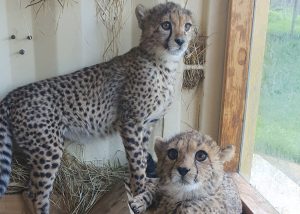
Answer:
[(236, 69), (240, 94)]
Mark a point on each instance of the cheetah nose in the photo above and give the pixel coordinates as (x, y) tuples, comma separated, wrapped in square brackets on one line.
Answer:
[(183, 171), (179, 41)]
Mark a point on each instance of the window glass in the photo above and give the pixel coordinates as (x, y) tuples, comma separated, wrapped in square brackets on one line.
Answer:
[(276, 160)]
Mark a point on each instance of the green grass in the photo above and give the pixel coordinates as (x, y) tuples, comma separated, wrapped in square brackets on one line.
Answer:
[(280, 21), (278, 125)]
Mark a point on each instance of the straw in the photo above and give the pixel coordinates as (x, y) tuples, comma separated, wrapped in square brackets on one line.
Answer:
[(78, 185)]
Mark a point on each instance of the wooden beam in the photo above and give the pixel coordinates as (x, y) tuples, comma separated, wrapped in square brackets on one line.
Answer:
[(240, 19)]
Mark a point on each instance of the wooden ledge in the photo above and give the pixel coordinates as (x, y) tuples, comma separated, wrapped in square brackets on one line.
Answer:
[(253, 201)]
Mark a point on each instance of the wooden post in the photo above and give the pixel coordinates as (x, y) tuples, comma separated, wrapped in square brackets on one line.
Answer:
[(240, 19)]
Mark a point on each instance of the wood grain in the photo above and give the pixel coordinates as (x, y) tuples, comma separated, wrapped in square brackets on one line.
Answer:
[(240, 19)]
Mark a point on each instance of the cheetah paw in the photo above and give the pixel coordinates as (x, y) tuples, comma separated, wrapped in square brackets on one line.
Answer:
[(138, 204)]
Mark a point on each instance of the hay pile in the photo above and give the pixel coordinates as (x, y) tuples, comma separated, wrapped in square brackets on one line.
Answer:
[(194, 61), (78, 186)]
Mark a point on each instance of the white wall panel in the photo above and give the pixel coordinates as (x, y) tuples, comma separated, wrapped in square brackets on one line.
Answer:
[(215, 28), (5, 64)]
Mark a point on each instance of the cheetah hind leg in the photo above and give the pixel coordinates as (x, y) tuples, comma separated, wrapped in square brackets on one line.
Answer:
[(42, 175)]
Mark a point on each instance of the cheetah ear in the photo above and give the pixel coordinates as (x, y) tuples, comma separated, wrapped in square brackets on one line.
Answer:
[(159, 145), (140, 12), (227, 154)]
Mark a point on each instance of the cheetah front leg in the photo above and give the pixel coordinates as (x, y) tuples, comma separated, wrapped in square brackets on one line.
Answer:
[(135, 139), (132, 134), (144, 200)]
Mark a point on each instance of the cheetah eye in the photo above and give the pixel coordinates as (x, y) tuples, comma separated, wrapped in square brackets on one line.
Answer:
[(172, 154), (166, 25), (187, 26), (201, 155)]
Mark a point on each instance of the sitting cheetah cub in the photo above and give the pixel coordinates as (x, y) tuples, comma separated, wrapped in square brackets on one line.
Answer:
[(191, 176), (127, 95)]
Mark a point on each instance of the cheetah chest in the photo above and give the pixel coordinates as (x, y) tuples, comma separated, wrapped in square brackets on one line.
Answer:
[(164, 98)]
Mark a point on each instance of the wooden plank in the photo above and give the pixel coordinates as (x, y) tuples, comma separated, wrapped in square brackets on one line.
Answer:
[(19, 203), (253, 202), (259, 33), (13, 204), (240, 17)]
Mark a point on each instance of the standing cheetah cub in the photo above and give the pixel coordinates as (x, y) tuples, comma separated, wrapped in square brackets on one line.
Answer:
[(127, 95), (191, 176)]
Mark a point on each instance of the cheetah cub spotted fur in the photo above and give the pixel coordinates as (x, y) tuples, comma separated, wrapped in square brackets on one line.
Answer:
[(127, 94), (191, 176)]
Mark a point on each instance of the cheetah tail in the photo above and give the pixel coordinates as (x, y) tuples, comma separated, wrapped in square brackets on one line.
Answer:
[(5, 149)]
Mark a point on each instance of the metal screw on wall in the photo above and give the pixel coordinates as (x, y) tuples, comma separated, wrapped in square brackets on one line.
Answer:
[(12, 36), (29, 37), (22, 51)]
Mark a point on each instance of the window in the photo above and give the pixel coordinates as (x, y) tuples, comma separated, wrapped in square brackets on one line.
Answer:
[(275, 170), (261, 99)]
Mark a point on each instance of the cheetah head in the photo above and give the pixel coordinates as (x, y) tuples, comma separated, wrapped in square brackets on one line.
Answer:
[(190, 165), (166, 29)]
